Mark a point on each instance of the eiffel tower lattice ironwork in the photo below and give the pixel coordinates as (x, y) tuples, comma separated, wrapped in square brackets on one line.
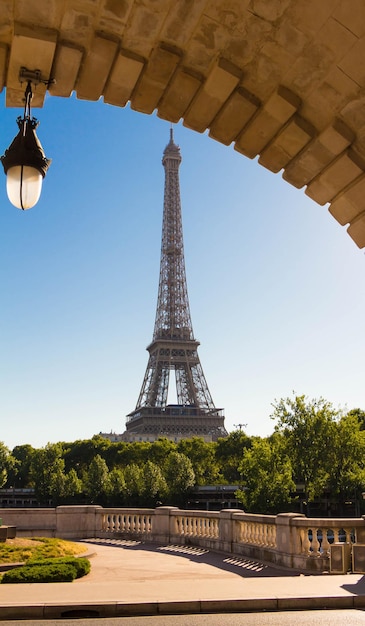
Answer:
[(173, 345)]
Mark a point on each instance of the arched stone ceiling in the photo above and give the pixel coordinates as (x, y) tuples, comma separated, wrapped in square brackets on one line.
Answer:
[(282, 79)]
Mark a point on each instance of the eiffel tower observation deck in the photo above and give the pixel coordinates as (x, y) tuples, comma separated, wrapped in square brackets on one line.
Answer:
[(173, 347)]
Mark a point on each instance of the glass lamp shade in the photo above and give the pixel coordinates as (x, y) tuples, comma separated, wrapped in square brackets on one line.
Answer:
[(25, 165), (23, 186)]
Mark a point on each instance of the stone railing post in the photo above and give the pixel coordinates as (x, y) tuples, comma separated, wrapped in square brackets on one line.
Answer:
[(286, 537), (161, 524), (226, 529), (360, 532), (78, 522)]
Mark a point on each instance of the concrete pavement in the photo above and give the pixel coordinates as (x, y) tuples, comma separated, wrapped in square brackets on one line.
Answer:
[(130, 578)]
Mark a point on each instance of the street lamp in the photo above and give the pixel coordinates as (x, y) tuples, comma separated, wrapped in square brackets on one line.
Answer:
[(24, 162)]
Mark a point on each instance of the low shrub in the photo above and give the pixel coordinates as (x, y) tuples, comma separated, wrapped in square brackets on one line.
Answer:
[(81, 565), (57, 573), (53, 570)]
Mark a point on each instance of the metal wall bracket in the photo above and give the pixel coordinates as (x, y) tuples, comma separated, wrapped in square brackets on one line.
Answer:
[(34, 77)]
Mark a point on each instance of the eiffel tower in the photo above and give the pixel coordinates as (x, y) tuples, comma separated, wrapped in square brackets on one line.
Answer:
[(173, 344)]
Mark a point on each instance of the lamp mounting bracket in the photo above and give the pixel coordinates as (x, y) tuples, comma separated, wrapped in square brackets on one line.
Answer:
[(34, 77)]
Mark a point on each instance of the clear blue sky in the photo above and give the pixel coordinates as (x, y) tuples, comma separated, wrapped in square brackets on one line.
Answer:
[(276, 286)]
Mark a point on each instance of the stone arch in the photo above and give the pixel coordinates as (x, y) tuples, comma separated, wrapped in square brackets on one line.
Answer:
[(283, 80)]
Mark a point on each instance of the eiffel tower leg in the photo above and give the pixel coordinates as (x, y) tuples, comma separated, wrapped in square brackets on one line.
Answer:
[(155, 384)]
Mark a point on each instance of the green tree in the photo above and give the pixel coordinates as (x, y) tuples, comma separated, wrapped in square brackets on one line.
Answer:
[(179, 475), (47, 471), (267, 472), (117, 487), (96, 480), (73, 486), (203, 459), (309, 429), (19, 474), (137, 452), (347, 475), (160, 449), (229, 452), (6, 463), (360, 416), (133, 475), (153, 485), (79, 454)]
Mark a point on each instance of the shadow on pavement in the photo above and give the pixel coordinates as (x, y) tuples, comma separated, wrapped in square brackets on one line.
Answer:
[(356, 589), (246, 567)]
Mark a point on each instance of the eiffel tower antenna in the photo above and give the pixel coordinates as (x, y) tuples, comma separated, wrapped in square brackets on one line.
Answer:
[(173, 347)]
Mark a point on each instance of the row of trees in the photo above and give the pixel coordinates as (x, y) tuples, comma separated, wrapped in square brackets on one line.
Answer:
[(117, 474), (314, 446)]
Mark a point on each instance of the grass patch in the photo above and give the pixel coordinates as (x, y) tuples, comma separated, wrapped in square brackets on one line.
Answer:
[(20, 550)]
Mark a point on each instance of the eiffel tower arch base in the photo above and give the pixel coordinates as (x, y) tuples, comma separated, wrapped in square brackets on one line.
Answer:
[(174, 422)]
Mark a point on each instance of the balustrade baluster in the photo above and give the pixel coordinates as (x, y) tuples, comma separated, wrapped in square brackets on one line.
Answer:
[(325, 543), (255, 534), (315, 543), (273, 528), (304, 538), (204, 528), (269, 537)]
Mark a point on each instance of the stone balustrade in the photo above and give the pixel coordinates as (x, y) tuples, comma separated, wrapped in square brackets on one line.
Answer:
[(287, 539), (136, 523)]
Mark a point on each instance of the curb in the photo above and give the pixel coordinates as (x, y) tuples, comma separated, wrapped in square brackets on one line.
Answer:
[(120, 609)]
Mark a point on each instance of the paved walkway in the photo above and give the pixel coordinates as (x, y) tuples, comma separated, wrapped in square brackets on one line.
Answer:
[(130, 578)]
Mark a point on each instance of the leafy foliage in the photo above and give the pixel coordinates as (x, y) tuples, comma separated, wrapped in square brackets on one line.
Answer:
[(47, 472), (179, 475), (19, 473), (267, 472), (347, 473), (56, 573), (203, 459), (80, 564), (309, 430), (6, 462), (153, 484), (96, 479), (229, 452), (62, 569)]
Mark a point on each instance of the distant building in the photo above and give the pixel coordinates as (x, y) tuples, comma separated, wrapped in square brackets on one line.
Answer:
[(18, 498), (213, 498)]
